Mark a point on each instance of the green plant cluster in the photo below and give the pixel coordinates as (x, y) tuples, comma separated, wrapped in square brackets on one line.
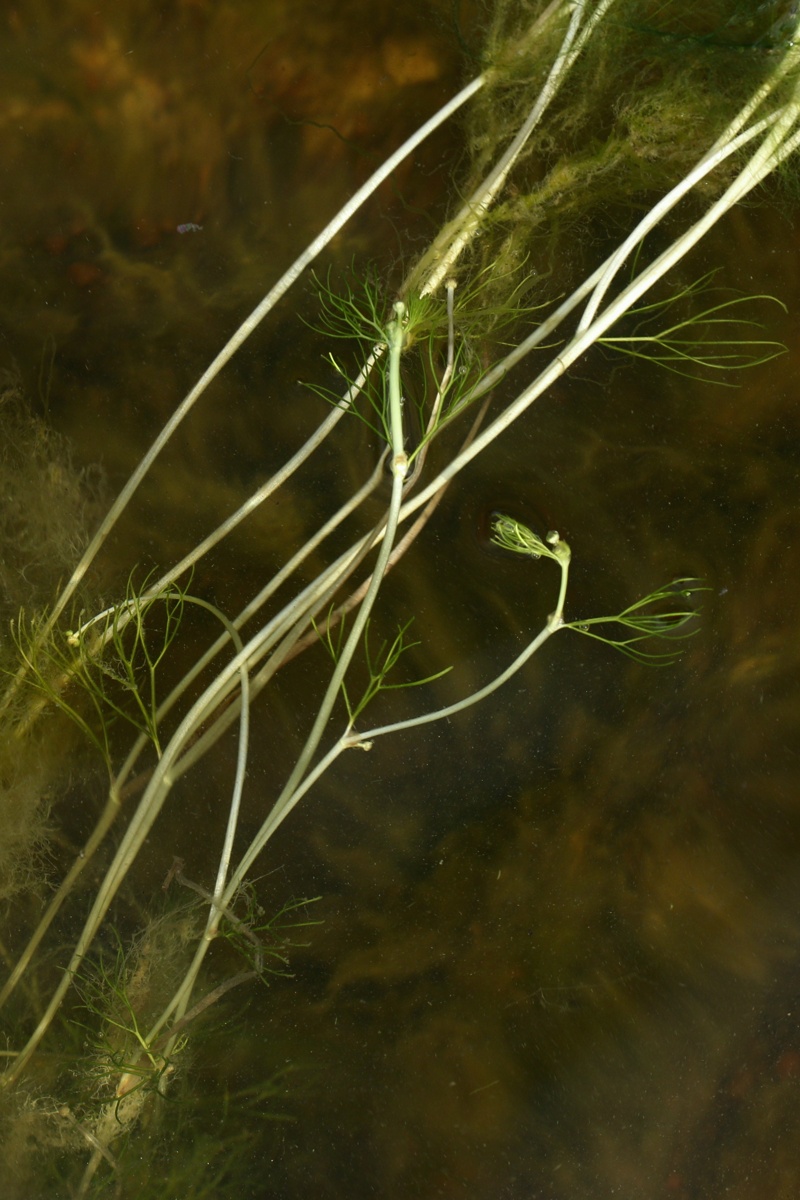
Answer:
[(640, 107), (588, 115)]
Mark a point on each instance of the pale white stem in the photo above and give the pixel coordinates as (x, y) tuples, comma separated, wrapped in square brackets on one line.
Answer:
[(554, 622), (275, 482), (249, 325), (287, 797)]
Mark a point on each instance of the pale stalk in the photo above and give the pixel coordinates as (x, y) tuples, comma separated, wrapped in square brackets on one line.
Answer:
[(351, 740), (276, 481), (286, 800), (554, 622)]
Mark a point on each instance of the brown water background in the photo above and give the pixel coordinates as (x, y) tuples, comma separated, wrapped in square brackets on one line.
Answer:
[(559, 951)]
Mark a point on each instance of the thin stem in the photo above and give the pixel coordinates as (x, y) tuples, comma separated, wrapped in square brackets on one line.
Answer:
[(289, 794), (554, 622), (276, 481)]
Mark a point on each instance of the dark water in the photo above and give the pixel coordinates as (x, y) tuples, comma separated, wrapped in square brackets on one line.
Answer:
[(558, 955)]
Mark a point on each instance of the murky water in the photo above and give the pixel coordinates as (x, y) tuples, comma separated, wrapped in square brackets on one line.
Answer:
[(557, 955)]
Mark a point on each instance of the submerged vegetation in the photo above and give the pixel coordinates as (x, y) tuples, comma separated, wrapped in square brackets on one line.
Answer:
[(588, 185)]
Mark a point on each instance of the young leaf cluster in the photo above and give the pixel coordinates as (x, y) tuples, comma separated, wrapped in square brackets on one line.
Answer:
[(111, 660), (379, 665), (449, 336), (512, 535), (264, 942), (359, 314), (661, 615), (717, 339)]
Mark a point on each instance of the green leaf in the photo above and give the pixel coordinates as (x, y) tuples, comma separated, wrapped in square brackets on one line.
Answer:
[(715, 340), (662, 615)]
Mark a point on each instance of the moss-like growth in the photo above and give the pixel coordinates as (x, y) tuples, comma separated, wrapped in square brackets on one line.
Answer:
[(641, 105), (47, 507)]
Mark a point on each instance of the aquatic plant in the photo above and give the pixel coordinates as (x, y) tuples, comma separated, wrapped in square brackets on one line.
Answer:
[(451, 359)]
